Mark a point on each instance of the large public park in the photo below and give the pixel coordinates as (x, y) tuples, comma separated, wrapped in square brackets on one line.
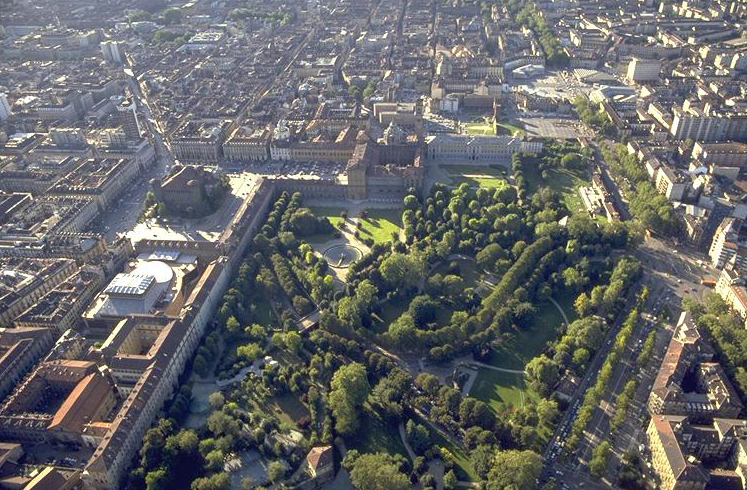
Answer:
[(423, 337)]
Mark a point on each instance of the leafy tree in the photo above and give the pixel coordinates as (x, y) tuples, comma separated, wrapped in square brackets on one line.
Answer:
[(450, 480), (293, 342), (218, 481), (543, 374), (351, 379), (418, 437), (402, 271), (582, 305), (216, 400), (350, 388), (403, 332), (378, 471), (422, 309), (514, 470), (172, 16), (275, 471), (598, 463), (249, 352)]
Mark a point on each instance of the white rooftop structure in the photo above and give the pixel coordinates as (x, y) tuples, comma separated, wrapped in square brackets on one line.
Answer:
[(136, 291)]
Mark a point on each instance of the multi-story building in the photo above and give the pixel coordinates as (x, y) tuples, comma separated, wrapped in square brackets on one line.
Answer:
[(679, 447), (99, 179), (729, 245), (127, 113), (56, 401), (695, 123), (112, 51), (643, 70), (199, 141), (247, 145), (61, 308), (20, 349), (672, 183), (730, 286), (729, 154), (5, 110), (24, 281), (187, 186), (688, 382), (470, 149)]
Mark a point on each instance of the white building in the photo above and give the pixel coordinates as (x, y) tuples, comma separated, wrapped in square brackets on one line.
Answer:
[(640, 70), (475, 148), (112, 52), (727, 247), (4, 107)]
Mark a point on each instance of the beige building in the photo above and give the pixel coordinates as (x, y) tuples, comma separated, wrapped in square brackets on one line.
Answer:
[(688, 382), (730, 286)]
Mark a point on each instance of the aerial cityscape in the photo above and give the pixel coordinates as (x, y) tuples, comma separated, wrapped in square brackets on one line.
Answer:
[(373, 244)]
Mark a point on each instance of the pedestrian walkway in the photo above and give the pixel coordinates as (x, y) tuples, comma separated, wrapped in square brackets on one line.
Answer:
[(562, 312)]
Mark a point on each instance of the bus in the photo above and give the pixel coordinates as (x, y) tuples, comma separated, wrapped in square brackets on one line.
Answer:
[(708, 282)]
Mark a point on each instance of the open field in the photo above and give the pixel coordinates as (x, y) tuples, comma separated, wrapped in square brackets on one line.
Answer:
[(481, 129), (487, 176), (564, 182), (507, 128), (467, 271), (496, 388), (379, 224), (377, 435), (462, 466), (527, 344)]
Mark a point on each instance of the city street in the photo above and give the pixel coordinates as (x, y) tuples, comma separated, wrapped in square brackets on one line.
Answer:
[(672, 272)]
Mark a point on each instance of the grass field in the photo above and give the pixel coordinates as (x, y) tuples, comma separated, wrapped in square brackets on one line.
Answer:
[(467, 271), (390, 311), (376, 435), (288, 408), (331, 213), (494, 170), (496, 388), (482, 129), (564, 182), (527, 344), (477, 175), (506, 128), (462, 467), (379, 224)]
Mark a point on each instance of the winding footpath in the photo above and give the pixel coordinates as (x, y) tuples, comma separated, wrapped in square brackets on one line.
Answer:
[(562, 312)]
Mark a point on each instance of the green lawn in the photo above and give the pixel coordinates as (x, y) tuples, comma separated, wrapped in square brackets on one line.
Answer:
[(462, 467), (331, 213), (379, 224), (263, 313), (390, 311), (496, 388), (475, 181), (566, 299), (506, 128), (564, 182), (467, 271), (483, 129), (492, 170), (527, 344), (487, 176), (377, 435), (288, 408)]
